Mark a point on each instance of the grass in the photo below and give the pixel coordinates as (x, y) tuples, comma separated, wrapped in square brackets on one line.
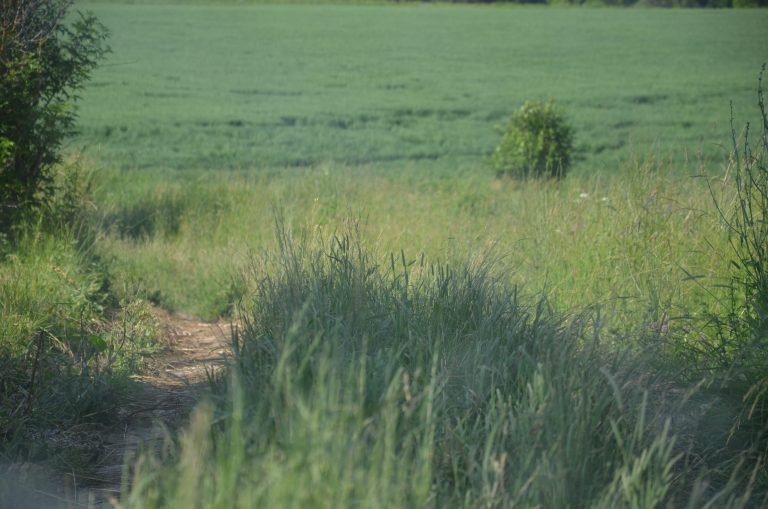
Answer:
[(212, 87), (404, 351), (418, 332), (622, 242), (68, 347), (65, 364), (410, 385)]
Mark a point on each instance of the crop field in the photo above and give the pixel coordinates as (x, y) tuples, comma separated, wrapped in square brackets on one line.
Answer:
[(215, 87)]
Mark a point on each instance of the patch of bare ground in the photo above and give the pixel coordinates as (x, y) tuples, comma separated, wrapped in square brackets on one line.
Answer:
[(177, 379)]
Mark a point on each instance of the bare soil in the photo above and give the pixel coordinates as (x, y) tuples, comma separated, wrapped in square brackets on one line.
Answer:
[(180, 375)]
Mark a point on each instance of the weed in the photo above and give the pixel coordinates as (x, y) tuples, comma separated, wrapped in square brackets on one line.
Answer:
[(741, 332)]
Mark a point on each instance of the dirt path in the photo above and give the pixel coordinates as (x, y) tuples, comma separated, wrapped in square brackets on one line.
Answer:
[(179, 377)]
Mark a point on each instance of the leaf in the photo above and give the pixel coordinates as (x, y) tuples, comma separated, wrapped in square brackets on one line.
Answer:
[(97, 342)]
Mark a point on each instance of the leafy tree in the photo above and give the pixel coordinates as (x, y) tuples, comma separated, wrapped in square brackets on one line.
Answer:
[(46, 55)]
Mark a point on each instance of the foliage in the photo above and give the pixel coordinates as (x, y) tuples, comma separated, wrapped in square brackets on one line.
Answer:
[(739, 323), (362, 380), (537, 142), (67, 345), (592, 3), (747, 323), (620, 240), (749, 3), (43, 62), (628, 3)]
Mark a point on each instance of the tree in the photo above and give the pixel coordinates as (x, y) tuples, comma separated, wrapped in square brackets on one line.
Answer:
[(46, 55)]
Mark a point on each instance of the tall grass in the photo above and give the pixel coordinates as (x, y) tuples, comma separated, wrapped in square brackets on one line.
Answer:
[(412, 384), (67, 346), (370, 380), (623, 242), (745, 327), (740, 346)]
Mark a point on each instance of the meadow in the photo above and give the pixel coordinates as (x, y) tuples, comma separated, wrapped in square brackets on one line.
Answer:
[(413, 330), (230, 113)]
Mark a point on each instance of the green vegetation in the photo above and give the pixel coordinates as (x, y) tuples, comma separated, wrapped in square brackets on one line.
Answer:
[(619, 241), (537, 143), (67, 348), (43, 62), (419, 87), (366, 375), (365, 380), (412, 331), (557, 3), (415, 384), (745, 327)]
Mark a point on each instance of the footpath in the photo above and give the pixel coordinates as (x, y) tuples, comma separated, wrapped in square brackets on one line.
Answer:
[(178, 379)]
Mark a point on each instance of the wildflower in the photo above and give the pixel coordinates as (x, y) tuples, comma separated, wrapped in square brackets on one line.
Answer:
[(662, 326)]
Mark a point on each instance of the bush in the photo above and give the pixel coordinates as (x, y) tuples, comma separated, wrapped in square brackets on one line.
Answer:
[(43, 62), (537, 143)]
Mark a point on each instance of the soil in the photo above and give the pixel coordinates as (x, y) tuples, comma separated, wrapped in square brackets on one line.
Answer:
[(177, 380)]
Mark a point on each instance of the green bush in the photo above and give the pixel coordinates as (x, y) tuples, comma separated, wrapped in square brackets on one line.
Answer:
[(43, 62), (537, 142)]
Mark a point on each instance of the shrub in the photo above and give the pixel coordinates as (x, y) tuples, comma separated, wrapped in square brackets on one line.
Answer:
[(43, 62), (537, 143), (749, 3)]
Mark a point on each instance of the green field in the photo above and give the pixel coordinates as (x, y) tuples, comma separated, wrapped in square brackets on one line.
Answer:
[(423, 87)]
